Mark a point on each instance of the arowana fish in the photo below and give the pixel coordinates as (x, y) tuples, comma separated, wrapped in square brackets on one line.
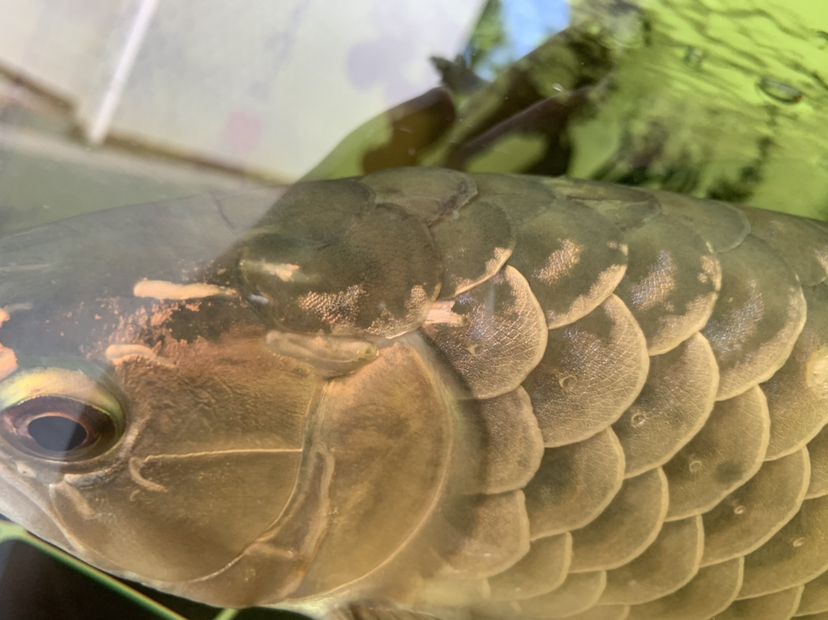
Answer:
[(424, 393)]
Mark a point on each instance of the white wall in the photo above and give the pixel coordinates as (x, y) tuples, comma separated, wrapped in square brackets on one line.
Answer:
[(263, 85)]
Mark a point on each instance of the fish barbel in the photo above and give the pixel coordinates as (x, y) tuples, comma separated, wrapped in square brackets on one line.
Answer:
[(430, 393)]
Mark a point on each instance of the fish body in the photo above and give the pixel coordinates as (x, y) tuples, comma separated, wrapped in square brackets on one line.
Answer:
[(428, 392)]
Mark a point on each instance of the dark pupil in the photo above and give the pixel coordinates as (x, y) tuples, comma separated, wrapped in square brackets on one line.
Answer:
[(55, 427), (57, 433)]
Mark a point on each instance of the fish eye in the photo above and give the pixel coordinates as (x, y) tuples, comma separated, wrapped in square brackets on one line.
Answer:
[(59, 415)]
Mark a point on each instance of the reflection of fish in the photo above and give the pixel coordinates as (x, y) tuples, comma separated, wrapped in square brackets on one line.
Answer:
[(491, 395), (630, 92)]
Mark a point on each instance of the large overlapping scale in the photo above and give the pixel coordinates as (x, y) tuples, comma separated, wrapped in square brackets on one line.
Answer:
[(798, 392), (493, 534), (818, 453), (574, 484), (572, 256), (430, 193), (769, 607), (814, 596), (748, 517), (474, 243), (514, 443), (625, 528), (672, 407), (625, 207), (757, 318), (800, 242), (649, 377), (669, 563), (671, 283), (492, 335), (795, 555), (330, 258), (541, 570), (721, 457), (722, 225), (588, 368), (710, 592), (576, 595)]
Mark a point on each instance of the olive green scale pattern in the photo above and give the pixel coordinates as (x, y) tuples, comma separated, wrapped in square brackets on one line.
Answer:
[(664, 454)]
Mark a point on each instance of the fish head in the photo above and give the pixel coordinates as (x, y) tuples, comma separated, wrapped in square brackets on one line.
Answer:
[(158, 427), (160, 462), (154, 434)]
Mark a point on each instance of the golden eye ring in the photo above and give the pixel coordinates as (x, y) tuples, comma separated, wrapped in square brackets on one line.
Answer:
[(59, 415)]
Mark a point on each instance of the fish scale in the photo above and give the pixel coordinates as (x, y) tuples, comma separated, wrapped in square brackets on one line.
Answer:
[(712, 465), (607, 402)]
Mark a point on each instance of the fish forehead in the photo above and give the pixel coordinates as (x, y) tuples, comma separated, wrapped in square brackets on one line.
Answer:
[(104, 254), (69, 285)]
